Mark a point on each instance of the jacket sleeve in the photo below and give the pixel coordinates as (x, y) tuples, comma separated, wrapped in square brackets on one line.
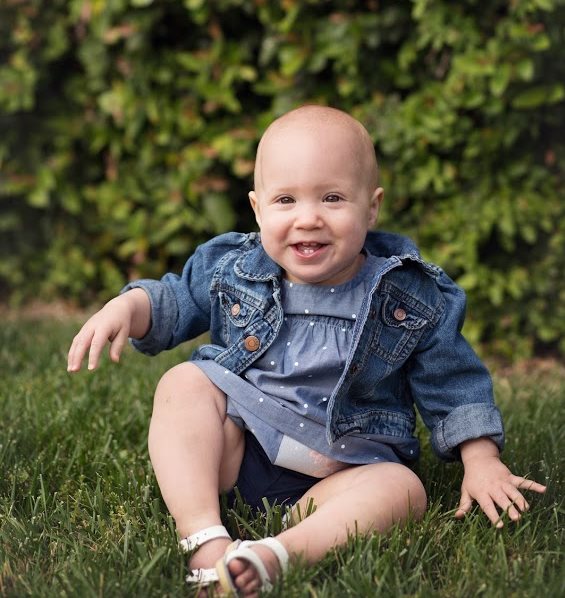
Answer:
[(180, 304), (450, 385)]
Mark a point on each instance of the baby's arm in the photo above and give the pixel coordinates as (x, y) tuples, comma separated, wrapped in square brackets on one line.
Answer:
[(488, 481), (128, 315)]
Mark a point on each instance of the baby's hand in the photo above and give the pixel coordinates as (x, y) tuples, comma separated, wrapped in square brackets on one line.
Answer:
[(488, 481), (123, 316)]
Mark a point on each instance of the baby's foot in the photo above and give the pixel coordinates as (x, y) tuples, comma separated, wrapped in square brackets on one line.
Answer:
[(246, 577), (206, 557)]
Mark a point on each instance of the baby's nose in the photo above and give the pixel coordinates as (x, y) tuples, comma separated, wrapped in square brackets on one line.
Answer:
[(308, 217)]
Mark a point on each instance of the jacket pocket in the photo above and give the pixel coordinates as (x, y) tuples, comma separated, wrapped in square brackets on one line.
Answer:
[(399, 328), (235, 310)]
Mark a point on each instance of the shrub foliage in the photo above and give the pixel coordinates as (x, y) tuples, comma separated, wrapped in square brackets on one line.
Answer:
[(129, 129)]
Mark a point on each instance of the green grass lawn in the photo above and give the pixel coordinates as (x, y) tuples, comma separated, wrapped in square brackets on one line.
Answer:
[(81, 514)]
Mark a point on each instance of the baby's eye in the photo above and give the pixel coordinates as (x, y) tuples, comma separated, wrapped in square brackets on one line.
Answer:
[(332, 198), (285, 199)]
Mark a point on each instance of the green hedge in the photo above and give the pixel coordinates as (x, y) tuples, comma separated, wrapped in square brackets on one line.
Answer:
[(128, 130)]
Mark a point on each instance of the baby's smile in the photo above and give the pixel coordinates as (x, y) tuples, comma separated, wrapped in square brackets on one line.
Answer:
[(307, 249)]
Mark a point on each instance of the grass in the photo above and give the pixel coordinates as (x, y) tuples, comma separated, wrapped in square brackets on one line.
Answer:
[(81, 514)]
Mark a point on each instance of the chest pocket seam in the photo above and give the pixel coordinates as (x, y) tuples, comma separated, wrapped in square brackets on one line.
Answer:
[(237, 312), (398, 330)]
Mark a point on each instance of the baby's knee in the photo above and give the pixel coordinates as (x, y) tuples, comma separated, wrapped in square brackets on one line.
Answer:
[(184, 382), (417, 497), (417, 500), (406, 486)]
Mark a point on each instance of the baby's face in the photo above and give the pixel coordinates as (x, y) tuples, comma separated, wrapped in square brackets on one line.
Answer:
[(314, 202)]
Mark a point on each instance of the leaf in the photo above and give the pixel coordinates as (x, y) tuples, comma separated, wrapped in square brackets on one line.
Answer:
[(539, 96)]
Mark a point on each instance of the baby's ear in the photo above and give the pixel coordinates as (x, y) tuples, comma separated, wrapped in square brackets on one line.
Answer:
[(255, 205), (375, 205)]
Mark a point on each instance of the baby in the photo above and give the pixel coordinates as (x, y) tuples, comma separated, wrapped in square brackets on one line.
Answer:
[(323, 337)]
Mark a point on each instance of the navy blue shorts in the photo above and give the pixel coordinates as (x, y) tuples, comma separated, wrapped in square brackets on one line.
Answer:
[(259, 478)]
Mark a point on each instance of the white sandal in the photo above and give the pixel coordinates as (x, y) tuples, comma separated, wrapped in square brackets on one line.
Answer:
[(205, 577), (244, 552)]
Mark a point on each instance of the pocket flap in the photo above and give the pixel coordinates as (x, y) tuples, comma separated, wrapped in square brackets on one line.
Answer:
[(238, 312), (399, 314)]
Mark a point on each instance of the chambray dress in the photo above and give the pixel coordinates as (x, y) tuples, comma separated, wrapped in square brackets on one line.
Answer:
[(282, 397)]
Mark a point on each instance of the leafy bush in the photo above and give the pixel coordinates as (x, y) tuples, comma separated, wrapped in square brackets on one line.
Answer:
[(129, 130)]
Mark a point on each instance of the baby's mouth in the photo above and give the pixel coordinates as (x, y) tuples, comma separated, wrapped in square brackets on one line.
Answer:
[(308, 248)]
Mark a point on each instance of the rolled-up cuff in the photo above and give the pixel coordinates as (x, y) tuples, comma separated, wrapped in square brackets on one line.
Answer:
[(162, 302), (467, 422)]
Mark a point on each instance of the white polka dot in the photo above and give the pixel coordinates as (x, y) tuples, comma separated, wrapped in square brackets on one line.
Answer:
[(261, 399), (332, 290), (376, 458), (253, 430), (411, 452), (226, 371), (324, 398), (343, 446), (281, 386), (290, 284), (306, 311), (324, 348), (309, 375), (305, 405), (288, 344), (353, 316), (344, 330), (296, 363), (311, 323), (272, 363), (301, 425)]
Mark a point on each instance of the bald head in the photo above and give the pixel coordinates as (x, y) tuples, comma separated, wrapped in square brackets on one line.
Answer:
[(317, 122)]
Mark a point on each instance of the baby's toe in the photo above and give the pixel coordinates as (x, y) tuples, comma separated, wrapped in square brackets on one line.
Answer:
[(245, 577)]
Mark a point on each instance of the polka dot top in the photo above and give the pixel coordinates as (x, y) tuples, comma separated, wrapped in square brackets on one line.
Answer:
[(282, 397)]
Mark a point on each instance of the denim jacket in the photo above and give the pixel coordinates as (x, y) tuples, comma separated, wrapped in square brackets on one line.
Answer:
[(407, 346)]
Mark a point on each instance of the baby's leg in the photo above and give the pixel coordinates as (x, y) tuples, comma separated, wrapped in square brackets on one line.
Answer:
[(359, 499), (196, 452)]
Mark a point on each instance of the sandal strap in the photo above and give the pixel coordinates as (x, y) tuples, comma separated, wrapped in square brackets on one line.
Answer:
[(205, 535), (279, 550), (246, 554), (202, 577)]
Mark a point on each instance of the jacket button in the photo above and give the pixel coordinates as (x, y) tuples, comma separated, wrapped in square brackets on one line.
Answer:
[(251, 343), (399, 314), (235, 309)]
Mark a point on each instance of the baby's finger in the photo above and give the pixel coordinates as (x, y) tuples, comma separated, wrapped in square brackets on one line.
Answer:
[(525, 484), (489, 509), (508, 507), (465, 504), (516, 497), (117, 344), (96, 347), (78, 350)]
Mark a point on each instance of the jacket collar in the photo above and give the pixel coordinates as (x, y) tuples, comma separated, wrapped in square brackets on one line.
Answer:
[(255, 264), (398, 248)]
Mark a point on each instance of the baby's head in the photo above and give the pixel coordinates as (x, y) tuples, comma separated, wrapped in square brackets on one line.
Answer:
[(316, 194)]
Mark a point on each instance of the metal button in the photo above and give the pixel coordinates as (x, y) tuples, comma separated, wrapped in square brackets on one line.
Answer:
[(399, 314), (251, 343), (235, 309)]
